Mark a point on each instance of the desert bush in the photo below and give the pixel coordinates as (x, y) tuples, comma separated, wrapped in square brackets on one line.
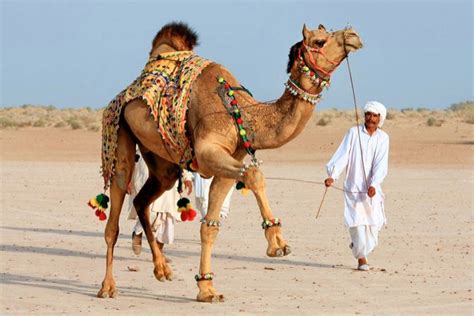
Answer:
[(469, 118), (6, 122), (390, 115), (74, 123), (93, 128), (431, 121), (60, 124), (39, 123), (462, 106), (419, 110), (323, 121)]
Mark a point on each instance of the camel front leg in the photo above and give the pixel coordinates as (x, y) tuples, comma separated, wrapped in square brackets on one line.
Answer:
[(209, 230), (124, 169), (255, 181)]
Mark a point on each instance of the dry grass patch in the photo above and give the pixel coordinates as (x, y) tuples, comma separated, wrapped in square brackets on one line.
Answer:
[(49, 116)]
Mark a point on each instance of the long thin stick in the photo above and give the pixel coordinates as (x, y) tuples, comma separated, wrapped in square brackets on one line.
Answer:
[(322, 200), (324, 195)]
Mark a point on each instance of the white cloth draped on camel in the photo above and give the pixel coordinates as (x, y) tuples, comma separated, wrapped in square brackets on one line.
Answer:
[(359, 208), (163, 211)]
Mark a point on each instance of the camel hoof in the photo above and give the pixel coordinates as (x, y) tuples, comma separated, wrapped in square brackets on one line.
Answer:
[(211, 298), (287, 250), (162, 277), (279, 253), (275, 252), (107, 294)]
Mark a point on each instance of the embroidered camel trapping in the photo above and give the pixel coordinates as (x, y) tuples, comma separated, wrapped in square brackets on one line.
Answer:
[(165, 85)]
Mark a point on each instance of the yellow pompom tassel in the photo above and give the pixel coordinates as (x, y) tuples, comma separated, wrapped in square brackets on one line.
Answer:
[(93, 203), (244, 191)]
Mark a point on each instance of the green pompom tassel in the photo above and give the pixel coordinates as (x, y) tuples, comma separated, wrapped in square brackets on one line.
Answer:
[(240, 185)]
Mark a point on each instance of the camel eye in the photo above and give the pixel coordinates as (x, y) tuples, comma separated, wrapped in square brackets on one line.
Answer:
[(319, 43)]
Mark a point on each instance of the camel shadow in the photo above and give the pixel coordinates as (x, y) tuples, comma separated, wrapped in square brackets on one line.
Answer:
[(72, 286), (170, 252), (68, 232), (61, 252), (285, 261)]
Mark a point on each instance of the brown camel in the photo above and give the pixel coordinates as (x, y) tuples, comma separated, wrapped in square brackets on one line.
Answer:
[(221, 139)]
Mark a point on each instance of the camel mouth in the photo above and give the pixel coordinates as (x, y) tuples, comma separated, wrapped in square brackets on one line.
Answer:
[(353, 47), (352, 41)]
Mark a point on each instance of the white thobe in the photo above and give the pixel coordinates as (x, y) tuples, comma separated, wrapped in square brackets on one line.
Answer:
[(201, 189), (359, 208)]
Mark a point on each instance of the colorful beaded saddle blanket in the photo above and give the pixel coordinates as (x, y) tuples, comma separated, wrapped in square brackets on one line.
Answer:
[(165, 85)]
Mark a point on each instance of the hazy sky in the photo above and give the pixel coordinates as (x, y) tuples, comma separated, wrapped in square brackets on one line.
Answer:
[(82, 53)]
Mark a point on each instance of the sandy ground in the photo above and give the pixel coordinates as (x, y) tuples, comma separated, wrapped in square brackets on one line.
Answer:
[(52, 247)]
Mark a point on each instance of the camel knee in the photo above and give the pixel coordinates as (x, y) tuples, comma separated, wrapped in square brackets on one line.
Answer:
[(209, 233), (111, 236), (254, 179)]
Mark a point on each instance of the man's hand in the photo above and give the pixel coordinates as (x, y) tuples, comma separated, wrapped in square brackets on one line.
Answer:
[(188, 184), (371, 191), (328, 182)]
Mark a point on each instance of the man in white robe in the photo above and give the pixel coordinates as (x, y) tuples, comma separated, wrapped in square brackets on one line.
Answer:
[(366, 164)]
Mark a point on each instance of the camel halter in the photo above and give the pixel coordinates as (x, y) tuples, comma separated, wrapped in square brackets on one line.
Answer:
[(313, 71), (312, 61)]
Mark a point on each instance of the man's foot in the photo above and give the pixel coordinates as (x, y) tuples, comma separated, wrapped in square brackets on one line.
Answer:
[(137, 243), (363, 264)]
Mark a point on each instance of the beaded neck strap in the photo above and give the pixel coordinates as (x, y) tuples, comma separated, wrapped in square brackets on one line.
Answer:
[(232, 106)]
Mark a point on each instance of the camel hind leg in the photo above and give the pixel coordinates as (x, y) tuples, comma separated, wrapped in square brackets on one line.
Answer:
[(123, 173), (162, 176)]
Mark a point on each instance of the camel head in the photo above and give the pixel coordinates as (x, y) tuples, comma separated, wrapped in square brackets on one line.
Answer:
[(323, 51)]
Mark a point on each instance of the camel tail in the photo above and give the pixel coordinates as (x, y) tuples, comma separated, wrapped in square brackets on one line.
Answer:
[(178, 35)]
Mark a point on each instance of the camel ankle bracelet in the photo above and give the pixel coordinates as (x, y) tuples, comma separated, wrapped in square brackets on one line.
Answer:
[(254, 162), (204, 277), (267, 223), (295, 90), (211, 222)]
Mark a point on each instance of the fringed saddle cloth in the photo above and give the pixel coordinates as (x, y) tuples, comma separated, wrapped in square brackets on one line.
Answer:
[(165, 85)]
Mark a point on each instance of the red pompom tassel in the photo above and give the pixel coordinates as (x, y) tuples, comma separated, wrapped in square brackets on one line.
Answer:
[(184, 216), (102, 216)]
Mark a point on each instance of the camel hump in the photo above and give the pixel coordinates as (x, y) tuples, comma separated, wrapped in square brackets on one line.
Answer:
[(178, 35)]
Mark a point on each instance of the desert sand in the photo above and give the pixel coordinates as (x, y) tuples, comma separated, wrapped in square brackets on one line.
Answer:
[(53, 251)]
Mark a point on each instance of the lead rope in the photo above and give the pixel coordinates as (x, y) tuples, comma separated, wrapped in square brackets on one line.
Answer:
[(357, 124), (357, 120)]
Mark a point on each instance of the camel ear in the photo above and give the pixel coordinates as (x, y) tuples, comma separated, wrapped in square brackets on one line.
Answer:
[(321, 27), (306, 32)]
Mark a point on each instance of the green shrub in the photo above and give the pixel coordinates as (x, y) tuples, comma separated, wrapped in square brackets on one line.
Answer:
[(6, 122), (39, 123), (431, 121), (74, 123), (462, 106), (323, 121)]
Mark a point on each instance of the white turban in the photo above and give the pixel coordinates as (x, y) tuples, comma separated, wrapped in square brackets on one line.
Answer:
[(377, 108)]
